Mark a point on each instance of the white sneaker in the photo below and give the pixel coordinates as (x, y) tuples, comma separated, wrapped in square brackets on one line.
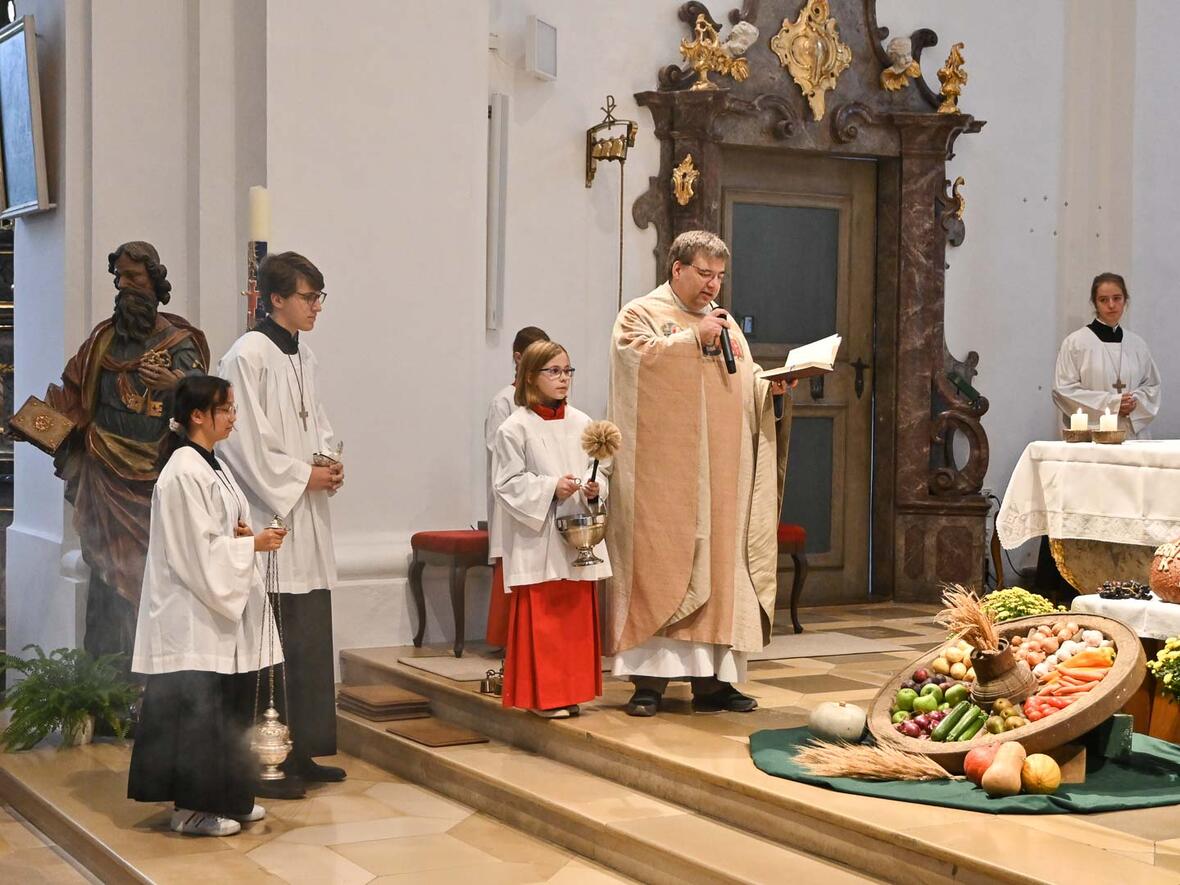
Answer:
[(558, 713), (257, 813), (200, 823)]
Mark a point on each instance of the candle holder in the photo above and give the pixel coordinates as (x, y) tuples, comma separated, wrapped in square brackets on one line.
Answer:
[(1109, 437), (1078, 436), (255, 252)]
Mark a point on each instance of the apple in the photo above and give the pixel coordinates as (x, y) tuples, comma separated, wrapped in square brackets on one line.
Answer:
[(921, 674), (955, 693), (935, 690), (905, 699), (926, 703), (900, 716)]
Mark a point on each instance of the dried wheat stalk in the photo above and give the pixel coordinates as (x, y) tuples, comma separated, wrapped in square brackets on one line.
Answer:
[(964, 615), (880, 763)]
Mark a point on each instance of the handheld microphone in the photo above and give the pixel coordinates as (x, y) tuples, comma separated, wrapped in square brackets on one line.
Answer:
[(727, 349)]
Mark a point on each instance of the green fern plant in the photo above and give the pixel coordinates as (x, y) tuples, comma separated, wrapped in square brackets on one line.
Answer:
[(59, 690)]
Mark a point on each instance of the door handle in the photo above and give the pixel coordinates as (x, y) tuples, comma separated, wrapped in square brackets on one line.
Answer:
[(817, 386), (859, 384)]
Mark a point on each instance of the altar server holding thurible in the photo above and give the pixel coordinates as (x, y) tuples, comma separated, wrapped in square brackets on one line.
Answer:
[(201, 627)]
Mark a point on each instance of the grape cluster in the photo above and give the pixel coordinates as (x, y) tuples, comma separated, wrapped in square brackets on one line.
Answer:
[(1124, 590)]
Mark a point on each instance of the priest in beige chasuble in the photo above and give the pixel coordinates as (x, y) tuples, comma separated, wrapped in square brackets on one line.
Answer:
[(697, 487)]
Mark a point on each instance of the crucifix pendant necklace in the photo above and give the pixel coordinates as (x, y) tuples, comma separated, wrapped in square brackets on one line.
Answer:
[(299, 380), (1118, 385)]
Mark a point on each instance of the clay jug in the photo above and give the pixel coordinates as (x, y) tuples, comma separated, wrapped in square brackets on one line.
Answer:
[(998, 674)]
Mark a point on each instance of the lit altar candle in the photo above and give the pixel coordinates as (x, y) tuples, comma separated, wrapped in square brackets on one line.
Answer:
[(1079, 421), (1108, 421), (259, 214)]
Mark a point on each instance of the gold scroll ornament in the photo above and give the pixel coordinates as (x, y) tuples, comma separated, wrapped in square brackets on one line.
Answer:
[(684, 179), (707, 53), (959, 201), (810, 49), (952, 76)]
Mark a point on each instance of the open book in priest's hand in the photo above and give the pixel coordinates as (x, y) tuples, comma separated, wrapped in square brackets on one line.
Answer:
[(816, 358)]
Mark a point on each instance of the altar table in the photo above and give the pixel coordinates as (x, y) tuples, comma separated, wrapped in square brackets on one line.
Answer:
[(1105, 508)]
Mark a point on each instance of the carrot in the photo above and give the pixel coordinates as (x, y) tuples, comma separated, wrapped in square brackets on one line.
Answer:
[(1076, 689), (1089, 674)]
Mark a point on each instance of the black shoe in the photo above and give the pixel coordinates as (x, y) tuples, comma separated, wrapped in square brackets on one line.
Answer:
[(290, 787), (645, 702), (320, 774), (727, 699)]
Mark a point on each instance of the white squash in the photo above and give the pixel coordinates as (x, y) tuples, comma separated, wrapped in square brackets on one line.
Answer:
[(837, 721)]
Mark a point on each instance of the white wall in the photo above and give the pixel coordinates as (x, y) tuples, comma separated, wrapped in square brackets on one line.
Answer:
[(1155, 268), (376, 142)]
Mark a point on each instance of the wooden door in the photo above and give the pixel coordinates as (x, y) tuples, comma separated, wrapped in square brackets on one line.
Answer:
[(802, 233)]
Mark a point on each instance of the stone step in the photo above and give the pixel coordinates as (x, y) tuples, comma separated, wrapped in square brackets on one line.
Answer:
[(667, 761), (631, 832)]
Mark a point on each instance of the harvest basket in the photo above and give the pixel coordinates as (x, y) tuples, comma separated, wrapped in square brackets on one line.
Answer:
[(1103, 701)]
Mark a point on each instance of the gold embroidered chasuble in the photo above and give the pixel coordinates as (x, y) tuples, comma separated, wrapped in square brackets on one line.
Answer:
[(697, 487)]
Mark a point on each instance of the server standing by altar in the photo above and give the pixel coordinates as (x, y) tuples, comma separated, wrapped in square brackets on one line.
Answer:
[(281, 427)]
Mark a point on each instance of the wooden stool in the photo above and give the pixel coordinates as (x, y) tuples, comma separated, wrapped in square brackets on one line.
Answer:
[(792, 539), (460, 551)]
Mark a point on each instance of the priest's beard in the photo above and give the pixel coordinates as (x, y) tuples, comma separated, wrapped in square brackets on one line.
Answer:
[(135, 314)]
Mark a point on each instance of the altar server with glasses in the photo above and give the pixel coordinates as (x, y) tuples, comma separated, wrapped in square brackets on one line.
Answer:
[(282, 440)]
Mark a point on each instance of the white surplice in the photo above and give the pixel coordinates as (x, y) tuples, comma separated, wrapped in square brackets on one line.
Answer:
[(270, 451), (1087, 370), (202, 604), (529, 456), (503, 403)]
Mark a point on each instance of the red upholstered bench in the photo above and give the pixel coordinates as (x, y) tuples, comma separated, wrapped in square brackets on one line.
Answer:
[(792, 540), (460, 551)]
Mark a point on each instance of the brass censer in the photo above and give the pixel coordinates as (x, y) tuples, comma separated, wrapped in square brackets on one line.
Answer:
[(600, 440), (271, 740)]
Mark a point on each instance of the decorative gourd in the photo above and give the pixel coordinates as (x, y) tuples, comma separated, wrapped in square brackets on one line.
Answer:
[(837, 721), (1002, 777), (1040, 774), (1165, 572)]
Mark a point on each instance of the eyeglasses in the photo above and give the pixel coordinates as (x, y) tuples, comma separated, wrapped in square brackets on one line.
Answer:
[(313, 298), (556, 372), (708, 275), (231, 409)]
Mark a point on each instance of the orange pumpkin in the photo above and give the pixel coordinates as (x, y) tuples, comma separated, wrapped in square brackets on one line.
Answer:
[(1040, 774)]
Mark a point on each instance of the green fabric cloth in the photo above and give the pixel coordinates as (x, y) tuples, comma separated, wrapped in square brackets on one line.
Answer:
[(1149, 777)]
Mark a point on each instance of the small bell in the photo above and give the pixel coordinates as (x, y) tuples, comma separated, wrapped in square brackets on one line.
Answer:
[(272, 744)]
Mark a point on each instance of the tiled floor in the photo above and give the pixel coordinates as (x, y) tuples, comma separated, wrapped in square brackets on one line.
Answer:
[(377, 828), (28, 857), (373, 828), (1131, 846)]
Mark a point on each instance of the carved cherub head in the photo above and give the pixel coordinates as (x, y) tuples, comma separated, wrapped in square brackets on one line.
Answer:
[(900, 53)]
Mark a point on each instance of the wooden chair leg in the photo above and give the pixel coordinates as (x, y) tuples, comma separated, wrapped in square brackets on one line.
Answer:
[(458, 579), (800, 560), (416, 567)]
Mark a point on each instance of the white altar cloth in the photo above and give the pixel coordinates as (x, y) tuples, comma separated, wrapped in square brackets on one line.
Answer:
[(1128, 494), (1151, 620)]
